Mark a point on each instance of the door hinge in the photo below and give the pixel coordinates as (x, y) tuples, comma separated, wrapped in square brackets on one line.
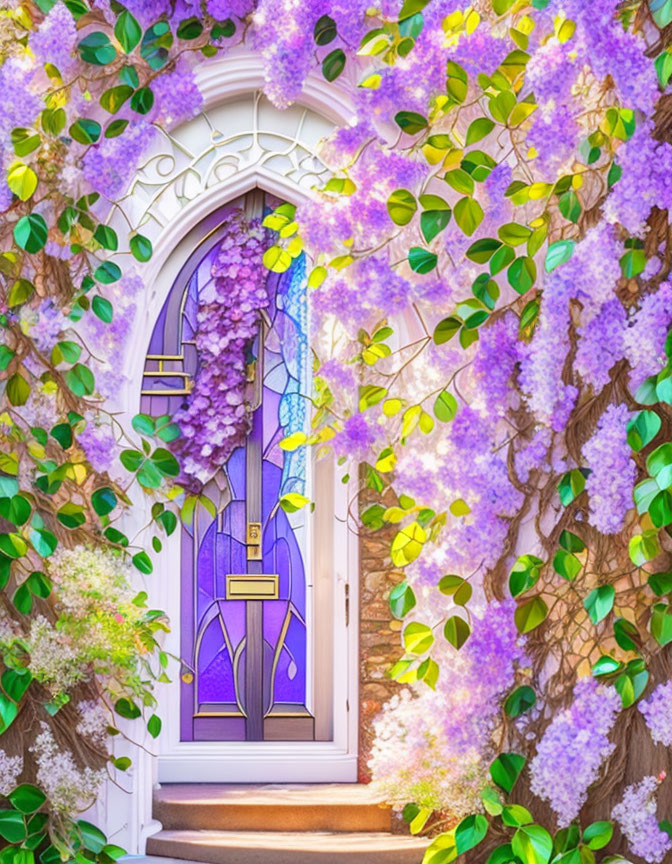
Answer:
[(347, 604)]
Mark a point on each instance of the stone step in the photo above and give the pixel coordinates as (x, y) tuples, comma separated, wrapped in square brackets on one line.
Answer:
[(316, 807), (284, 847)]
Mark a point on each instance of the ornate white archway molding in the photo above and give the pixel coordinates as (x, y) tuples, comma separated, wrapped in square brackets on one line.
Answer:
[(237, 143)]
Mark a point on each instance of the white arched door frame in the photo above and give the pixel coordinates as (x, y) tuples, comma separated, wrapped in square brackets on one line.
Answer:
[(335, 760)]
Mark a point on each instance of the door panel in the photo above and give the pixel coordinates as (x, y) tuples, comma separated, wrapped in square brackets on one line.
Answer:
[(249, 657)]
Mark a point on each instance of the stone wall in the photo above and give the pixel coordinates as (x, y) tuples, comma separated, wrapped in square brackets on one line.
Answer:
[(379, 640)]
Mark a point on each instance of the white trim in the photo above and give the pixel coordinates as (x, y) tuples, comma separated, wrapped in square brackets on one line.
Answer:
[(322, 761)]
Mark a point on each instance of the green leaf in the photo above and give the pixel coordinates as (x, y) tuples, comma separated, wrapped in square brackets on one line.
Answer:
[(126, 708), (15, 683), (598, 834), (85, 131), (143, 563), (446, 329), (521, 700), (661, 623), (633, 263), (515, 815), (114, 98), (514, 234), (566, 564), (97, 49), (92, 837), (468, 215), (457, 631), (479, 129), (142, 100), (107, 273), (558, 253), (524, 574), (530, 615), (6, 355), (12, 826), (401, 205), (127, 31), (115, 128), (107, 237), (660, 509), (30, 233), (606, 666), (325, 30), (80, 380), (102, 308), (43, 542), (154, 726), (418, 638), (410, 122), (460, 181), (532, 844), (442, 849), (661, 11), (141, 247), (103, 501), (571, 485), (457, 81), (402, 599), (293, 501), (433, 222), (71, 515), (27, 798), (506, 769), (470, 832), (24, 140), (421, 260), (481, 251), (570, 542), (600, 602), (522, 274), (22, 180), (155, 44), (333, 64), (445, 407), (643, 547), (623, 631), (18, 389), (501, 259), (189, 28), (570, 206)]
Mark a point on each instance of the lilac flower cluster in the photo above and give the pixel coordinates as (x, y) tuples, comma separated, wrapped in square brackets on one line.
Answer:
[(645, 337), (109, 165), (216, 419), (176, 96), (55, 38), (636, 815), (433, 747), (612, 477), (657, 710), (601, 344), (573, 748)]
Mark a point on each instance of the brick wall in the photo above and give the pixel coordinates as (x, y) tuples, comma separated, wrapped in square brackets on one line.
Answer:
[(379, 642)]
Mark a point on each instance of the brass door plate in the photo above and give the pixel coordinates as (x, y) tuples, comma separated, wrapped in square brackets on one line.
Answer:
[(252, 586)]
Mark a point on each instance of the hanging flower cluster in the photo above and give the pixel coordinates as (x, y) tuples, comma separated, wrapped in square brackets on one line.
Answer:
[(217, 417)]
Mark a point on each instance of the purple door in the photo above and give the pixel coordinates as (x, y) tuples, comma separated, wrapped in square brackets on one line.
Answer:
[(244, 603)]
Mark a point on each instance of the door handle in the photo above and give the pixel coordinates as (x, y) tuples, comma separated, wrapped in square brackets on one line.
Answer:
[(254, 541)]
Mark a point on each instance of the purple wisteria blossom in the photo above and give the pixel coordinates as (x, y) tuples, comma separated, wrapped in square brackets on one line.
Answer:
[(217, 417), (612, 477), (657, 711), (573, 748), (636, 815)]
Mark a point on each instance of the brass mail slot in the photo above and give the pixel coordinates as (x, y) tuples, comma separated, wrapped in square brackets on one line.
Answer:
[(251, 586)]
